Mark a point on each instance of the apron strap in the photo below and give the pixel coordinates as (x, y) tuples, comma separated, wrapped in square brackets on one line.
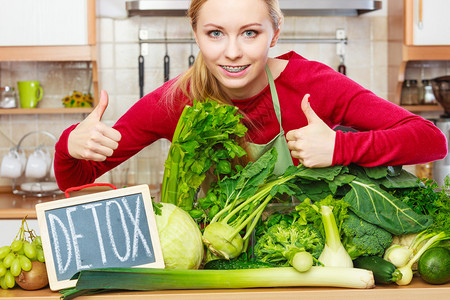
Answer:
[(274, 94)]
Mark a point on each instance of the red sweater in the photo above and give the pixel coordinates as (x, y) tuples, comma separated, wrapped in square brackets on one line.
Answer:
[(387, 134)]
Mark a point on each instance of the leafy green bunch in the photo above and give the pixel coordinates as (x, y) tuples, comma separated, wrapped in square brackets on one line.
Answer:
[(205, 139), (431, 200)]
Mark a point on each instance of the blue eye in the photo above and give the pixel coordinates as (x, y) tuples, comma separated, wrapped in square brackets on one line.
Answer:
[(250, 33), (215, 33)]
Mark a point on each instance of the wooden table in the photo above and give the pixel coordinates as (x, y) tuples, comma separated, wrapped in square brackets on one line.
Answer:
[(416, 290)]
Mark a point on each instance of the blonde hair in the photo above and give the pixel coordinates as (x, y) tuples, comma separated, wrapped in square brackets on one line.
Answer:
[(198, 83)]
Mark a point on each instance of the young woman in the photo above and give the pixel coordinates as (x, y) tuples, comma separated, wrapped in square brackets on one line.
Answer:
[(288, 102)]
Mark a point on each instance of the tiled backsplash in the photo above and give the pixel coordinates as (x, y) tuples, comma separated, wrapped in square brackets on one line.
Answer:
[(118, 51)]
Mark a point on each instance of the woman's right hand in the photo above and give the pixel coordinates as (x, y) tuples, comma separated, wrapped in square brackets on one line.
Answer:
[(91, 139)]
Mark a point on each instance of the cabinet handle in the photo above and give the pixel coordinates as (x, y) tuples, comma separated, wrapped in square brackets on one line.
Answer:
[(420, 21)]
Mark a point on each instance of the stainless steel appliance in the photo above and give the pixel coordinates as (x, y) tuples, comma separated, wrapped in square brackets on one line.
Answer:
[(289, 7), (441, 90)]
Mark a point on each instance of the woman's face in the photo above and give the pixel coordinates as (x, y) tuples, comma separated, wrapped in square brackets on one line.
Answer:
[(234, 37)]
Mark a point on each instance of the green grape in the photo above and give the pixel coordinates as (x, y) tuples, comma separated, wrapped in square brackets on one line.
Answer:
[(29, 250), (15, 268), (16, 245), (2, 269), (38, 240), (4, 251), (40, 255), (7, 261), (9, 280), (25, 263), (3, 283)]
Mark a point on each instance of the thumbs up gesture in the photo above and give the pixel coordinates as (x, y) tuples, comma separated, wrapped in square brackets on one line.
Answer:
[(91, 139), (313, 144)]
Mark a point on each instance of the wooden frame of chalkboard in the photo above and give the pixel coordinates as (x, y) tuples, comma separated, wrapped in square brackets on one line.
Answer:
[(115, 228)]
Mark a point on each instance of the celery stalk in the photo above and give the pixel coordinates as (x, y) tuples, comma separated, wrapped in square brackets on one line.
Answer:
[(173, 279), (170, 177)]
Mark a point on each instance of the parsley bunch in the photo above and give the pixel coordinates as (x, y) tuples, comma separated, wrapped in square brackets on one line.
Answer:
[(204, 139), (429, 199)]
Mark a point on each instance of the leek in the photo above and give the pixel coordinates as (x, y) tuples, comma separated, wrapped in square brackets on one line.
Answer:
[(176, 279)]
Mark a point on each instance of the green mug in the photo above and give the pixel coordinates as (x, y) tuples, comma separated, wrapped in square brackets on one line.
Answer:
[(30, 93)]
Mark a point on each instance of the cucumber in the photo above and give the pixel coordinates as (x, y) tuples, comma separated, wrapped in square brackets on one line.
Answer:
[(383, 271), (223, 264), (434, 265)]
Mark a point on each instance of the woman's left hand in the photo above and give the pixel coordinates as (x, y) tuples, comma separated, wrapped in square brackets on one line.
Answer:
[(313, 144)]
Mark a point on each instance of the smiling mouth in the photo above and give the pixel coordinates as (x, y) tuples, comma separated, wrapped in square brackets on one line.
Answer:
[(235, 69)]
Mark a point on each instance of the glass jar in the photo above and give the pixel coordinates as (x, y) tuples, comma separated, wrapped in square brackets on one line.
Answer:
[(427, 92), (7, 97), (410, 92)]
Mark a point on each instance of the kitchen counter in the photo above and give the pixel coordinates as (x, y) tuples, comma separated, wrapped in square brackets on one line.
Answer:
[(14, 206), (416, 290)]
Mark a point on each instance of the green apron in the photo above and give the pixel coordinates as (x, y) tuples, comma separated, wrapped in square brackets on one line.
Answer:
[(284, 159)]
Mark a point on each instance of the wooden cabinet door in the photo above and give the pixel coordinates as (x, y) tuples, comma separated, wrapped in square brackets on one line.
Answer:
[(427, 22)]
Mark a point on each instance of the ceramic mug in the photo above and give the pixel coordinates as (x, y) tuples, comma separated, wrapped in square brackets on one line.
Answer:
[(13, 164), (30, 93), (38, 164)]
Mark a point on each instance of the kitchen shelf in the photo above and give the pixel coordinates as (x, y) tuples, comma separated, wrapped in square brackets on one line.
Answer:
[(426, 52), (43, 111), (48, 53), (422, 108)]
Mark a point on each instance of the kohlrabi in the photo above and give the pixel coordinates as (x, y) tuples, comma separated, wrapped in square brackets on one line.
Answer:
[(421, 243)]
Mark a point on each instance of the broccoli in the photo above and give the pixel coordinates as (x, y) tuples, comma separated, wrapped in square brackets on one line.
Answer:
[(361, 238), (287, 244)]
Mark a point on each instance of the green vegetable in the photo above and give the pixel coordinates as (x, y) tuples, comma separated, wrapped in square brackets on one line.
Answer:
[(328, 215), (431, 200), (383, 271), (334, 253), (98, 280), (244, 197), (204, 139), (361, 238), (364, 189), (371, 203), (398, 255), (434, 265), (180, 237), (425, 240), (224, 264), (290, 244)]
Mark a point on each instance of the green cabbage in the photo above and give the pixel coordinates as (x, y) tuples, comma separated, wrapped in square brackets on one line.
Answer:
[(180, 237)]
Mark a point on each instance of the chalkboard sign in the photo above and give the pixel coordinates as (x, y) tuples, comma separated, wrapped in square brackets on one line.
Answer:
[(115, 228)]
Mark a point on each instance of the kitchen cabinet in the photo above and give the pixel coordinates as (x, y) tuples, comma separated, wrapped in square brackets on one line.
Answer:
[(44, 22), (58, 48), (427, 22), (433, 41), (430, 43)]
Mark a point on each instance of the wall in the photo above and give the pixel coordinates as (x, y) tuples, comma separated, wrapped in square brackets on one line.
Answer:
[(118, 49)]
